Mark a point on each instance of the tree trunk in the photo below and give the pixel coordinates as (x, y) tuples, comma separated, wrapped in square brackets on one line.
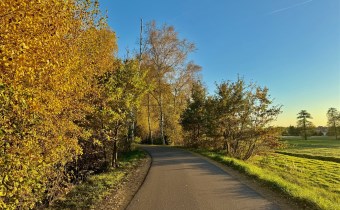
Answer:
[(102, 137), (249, 152), (149, 120), (105, 156), (115, 154), (175, 95), (132, 129), (304, 128), (228, 148), (114, 162), (335, 131), (225, 146), (174, 130), (161, 122), (130, 136)]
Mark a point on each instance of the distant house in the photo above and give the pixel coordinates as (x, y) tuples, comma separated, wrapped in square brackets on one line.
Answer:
[(322, 129)]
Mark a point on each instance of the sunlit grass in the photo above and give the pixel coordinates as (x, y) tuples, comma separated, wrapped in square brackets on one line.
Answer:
[(319, 148), (319, 179), (315, 146)]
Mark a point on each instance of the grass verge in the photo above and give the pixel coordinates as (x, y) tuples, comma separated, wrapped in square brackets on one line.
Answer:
[(86, 195), (310, 198)]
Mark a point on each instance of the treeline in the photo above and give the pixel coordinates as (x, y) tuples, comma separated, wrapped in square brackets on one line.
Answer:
[(299, 131), (306, 128), (65, 99)]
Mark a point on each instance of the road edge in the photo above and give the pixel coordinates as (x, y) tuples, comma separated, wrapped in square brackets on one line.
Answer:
[(121, 195), (150, 160)]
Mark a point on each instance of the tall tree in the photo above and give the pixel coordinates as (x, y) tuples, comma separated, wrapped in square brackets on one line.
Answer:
[(333, 116), (167, 53), (303, 122), (192, 118), (149, 100), (123, 89)]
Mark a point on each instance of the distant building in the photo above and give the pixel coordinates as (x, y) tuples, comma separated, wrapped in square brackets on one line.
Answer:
[(322, 129)]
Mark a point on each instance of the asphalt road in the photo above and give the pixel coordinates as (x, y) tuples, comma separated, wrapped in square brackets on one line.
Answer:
[(180, 180)]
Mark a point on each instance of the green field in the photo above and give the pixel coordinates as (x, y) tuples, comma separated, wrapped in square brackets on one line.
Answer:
[(316, 170), (312, 180), (318, 180), (315, 146)]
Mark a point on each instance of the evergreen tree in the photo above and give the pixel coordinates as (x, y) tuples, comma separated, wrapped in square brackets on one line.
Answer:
[(192, 118), (303, 122)]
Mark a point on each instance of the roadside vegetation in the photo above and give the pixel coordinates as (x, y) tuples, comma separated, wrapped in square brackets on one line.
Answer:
[(97, 187), (236, 119)]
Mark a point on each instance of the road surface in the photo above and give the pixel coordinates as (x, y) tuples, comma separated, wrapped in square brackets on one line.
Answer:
[(181, 180)]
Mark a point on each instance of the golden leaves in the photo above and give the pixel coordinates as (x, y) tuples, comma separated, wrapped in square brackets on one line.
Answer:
[(48, 65)]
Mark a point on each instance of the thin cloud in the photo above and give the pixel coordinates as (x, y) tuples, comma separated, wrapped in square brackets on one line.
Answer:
[(287, 8)]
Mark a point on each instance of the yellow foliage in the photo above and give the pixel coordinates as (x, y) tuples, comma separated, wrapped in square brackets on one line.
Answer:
[(51, 53)]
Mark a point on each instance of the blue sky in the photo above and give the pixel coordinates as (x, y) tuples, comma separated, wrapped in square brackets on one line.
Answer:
[(290, 46)]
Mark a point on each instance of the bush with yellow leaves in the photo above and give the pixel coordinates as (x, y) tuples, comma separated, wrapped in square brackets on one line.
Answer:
[(51, 53)]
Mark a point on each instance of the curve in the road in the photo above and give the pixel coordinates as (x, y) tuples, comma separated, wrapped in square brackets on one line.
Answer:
[(180, 180)]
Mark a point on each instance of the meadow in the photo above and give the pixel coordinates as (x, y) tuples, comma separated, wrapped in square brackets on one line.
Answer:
[(316, 146), (306, 172), (318, 180)]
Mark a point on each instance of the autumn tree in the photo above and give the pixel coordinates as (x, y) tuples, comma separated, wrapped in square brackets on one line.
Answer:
[(244, 114), (304, 123), (193, 117), (167, 56), (236, 119), (181, 81), (333, 116), (48, 65), (123, 88), (148, 115)]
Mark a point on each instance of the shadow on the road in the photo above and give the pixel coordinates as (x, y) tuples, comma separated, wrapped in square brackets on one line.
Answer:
[(177, 157)]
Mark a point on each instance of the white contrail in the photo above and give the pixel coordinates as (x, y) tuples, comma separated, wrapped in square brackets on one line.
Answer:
[(287, 8)]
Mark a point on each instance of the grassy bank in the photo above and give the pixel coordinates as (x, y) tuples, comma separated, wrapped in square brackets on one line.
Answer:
[(97, 187), (312, 183)]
